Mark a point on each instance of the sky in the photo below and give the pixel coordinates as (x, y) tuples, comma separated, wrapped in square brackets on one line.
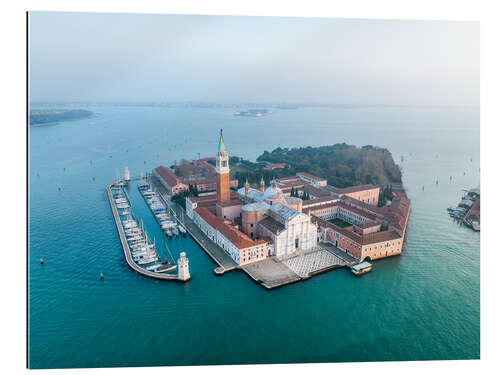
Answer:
[(136, 57)]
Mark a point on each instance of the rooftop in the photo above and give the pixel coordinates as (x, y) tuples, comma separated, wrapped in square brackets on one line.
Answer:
[(308, 175), (167, 175), (238, 238), (317, 191), (355, 189), (272, 225), (259, 206), (284, 211)]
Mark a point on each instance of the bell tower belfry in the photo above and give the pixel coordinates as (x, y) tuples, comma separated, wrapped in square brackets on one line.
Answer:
[(222, 170)]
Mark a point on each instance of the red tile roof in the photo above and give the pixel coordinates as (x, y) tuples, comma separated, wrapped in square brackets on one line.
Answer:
[(355, 189), (360, 239), (167, 176), (305, 174), (238, 238), (476, 208), (276, 166)]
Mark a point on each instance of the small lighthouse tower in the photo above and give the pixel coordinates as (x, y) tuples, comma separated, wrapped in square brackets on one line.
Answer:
[(126, 175), (183, 268)]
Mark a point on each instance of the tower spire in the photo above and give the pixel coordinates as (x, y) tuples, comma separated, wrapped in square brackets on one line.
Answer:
[(222, 146)]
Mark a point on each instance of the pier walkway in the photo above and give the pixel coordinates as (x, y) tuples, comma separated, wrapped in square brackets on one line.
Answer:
[(270, 273), (126, 249), (349, 260), (219, 256)]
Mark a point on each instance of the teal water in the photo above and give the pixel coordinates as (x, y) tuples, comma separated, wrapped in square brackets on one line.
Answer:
[(422, 305)]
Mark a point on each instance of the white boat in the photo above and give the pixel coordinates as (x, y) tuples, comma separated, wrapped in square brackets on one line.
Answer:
[(122, 205), (132, 235), (147, 261), (143, 254), (167, 224), (182, 230), (127, 224), (125, 213), (361, 268), (154, 267), (136, 238)]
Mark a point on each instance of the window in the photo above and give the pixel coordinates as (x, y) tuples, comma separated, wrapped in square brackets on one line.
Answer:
[(251, 225)]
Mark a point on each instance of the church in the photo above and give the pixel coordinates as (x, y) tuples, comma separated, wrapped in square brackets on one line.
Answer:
[(250, 224)]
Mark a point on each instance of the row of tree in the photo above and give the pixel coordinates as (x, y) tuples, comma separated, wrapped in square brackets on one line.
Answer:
[(295, 193), (180, 198), (385, 195)]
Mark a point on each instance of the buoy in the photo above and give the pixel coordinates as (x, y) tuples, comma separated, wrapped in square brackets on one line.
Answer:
[(101, 276), (423, 188), (38, 174), (450, 178), (93, 178), (64, 169), (437, 182), (41, 260), (464, 173), (59, 188)]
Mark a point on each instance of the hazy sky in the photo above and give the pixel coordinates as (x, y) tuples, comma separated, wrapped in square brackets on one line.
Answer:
[(120, 57)]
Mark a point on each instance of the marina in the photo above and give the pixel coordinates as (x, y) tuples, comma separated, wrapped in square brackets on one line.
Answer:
[(467, 211), (141, 255), (160, 212)]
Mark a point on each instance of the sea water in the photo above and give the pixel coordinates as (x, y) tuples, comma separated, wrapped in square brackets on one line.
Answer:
[(421, 305)]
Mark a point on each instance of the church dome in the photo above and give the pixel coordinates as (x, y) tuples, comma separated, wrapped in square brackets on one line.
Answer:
[(273, 193)]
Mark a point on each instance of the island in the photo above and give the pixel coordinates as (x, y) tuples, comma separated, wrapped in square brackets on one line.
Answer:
[(254, 112), (39, 117), (280, 223)]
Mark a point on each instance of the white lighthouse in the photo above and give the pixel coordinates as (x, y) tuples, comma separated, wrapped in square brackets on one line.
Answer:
[(126, 175), (183, 268)]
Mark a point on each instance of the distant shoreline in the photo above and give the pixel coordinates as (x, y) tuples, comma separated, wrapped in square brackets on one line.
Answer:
[(44, 117)]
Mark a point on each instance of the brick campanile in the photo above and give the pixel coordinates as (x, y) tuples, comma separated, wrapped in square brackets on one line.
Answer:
[(222, 169)]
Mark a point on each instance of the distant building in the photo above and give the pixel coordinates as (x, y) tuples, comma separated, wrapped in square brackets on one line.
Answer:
[(276, 166), (169, 180)]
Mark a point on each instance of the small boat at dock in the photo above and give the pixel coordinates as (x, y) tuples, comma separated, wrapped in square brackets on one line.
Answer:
[(361, 268)]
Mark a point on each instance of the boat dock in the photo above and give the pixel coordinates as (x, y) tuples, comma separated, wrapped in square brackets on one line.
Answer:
[(125, 245), (225, 262)]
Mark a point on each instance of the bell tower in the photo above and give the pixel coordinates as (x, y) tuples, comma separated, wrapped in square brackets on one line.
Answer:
[(222, 169)]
